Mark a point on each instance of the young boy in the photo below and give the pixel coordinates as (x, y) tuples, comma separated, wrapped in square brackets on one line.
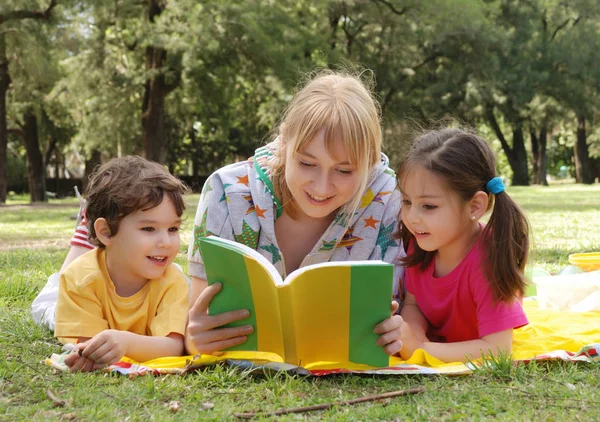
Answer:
[(124, 298)]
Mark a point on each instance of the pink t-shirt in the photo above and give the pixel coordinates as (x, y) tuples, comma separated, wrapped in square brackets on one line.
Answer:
[(460, 306)]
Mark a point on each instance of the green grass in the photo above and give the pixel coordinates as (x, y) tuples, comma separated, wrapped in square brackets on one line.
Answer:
[(565, 219)]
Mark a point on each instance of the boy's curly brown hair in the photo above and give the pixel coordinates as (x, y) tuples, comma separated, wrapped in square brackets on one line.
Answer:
[(128, 184)]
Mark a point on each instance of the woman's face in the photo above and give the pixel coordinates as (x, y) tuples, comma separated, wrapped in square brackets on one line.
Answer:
[(321, 183)]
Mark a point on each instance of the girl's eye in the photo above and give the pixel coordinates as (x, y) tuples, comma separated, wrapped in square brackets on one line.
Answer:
[(148, 229), (406, 203), (429, 207), (173, 229)]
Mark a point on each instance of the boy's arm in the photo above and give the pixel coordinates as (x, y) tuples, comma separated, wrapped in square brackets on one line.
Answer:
[(110, 346)]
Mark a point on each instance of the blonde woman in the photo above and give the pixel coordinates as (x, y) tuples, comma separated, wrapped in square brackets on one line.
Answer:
[(320, 191)]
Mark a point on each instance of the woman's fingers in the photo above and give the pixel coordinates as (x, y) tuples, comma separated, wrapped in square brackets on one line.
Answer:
[(389, 337), (390, 324), (393, 348), (207, 295), (222, 344)]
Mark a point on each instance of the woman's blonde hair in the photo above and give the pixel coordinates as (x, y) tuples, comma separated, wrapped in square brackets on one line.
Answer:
[(342, 106)]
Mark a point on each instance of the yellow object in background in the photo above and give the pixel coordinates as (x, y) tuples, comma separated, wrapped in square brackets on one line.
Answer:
[(586, 261)]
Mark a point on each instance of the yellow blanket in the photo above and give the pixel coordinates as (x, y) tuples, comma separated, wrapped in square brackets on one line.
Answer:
[(549, 335)]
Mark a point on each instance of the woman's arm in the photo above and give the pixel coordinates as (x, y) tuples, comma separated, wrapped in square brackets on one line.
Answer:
[(203, 334)]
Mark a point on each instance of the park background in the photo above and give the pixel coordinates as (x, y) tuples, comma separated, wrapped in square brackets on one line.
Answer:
[(197, 84)]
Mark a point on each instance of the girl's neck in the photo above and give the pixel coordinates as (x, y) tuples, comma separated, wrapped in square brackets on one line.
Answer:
[(449, 256)]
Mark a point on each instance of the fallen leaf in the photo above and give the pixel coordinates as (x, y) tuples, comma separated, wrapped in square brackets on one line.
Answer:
[(174, 406)]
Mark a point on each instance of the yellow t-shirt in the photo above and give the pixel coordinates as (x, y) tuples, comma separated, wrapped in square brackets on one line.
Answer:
[(88, 303)]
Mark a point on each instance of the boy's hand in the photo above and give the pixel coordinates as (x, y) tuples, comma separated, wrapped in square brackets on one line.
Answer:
[(76, 362), (390, 332), (106, 348)]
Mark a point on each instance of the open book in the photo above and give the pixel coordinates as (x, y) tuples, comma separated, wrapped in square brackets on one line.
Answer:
[(320, 313)]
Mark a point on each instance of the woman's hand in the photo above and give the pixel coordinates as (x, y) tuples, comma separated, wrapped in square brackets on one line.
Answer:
[(203, 334), (390, 331)]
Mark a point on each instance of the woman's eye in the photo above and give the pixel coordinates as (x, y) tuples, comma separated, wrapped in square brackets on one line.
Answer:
[(345, 172), (306, 164)]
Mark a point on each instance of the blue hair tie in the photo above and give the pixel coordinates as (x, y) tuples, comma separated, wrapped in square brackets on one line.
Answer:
[(495, 186)]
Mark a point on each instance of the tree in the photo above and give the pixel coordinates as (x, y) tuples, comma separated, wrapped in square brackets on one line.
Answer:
[(7, 18)]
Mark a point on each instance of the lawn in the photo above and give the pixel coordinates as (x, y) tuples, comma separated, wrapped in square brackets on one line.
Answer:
[(33, 240)]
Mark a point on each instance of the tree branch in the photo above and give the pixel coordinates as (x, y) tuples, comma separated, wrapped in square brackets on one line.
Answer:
[(14, 131), (491, 117), (376, 397), (392, 8), (558, 28), (29, 14)]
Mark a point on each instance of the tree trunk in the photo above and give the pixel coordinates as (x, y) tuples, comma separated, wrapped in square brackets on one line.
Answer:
[(583, 170), (517, 156), (596, 168), (4, 84), (535, 150), (35, 161), (520, 171), (90, 165), (154, 138), (153, 108), (540, 159)]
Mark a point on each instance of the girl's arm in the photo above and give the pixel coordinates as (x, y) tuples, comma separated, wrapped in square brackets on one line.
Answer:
[(203, 334), (411, 313), (495, 344)]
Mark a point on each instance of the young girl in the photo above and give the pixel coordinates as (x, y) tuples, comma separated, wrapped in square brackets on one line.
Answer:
[(464, 279), (321, 191)]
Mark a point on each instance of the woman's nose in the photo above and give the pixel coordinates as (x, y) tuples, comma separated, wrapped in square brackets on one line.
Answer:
[(322, 184)]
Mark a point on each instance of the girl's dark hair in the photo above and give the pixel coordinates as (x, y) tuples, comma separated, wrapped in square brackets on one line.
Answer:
[(466, 162), (128, 184)]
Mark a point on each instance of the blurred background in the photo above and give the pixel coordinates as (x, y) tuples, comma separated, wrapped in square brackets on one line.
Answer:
[(199, 84)]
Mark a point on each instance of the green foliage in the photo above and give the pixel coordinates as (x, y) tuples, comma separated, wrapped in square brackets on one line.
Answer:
[(231, 67)]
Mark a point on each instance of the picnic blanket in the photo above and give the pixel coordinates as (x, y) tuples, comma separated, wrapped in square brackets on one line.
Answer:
[(550, 335)]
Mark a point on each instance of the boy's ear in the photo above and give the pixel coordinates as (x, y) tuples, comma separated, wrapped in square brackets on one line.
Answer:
[(102, 231), (479, 204)]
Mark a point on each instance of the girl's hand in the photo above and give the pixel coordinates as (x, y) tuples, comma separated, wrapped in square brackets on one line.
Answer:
[(202, 332), (106, 348), (390, 332), (410, 342)]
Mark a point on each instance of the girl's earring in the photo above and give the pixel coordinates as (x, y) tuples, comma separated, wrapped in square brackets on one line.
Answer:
[(473, 218)]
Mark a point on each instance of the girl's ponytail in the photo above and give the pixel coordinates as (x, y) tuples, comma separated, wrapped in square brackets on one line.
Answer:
[(507, 242)]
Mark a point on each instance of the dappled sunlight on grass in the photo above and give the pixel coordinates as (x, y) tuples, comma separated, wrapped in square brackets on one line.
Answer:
[(564, 219)]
